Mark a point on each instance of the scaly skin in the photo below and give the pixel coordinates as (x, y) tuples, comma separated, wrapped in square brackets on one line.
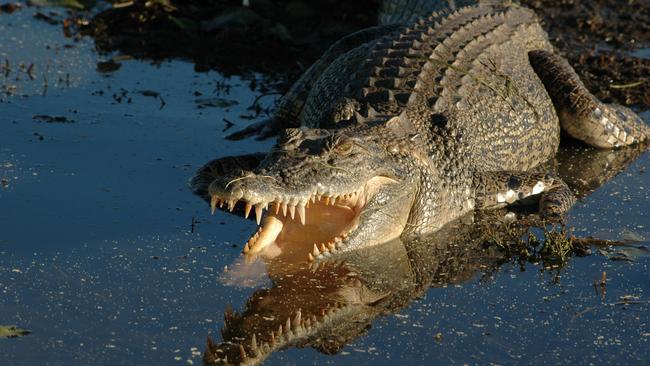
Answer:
[(419, 126)]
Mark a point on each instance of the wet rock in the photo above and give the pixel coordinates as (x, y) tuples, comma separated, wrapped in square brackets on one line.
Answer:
[(10, 7), (108, 66)]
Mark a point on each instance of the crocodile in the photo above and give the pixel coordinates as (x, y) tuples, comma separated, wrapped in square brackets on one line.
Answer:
[(403, 127), (328, 304)]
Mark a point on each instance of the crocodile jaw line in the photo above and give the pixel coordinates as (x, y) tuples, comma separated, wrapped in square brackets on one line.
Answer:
[(322, 221)]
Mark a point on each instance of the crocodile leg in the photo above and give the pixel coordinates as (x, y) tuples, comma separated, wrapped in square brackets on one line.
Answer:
[(229, 165), (581, 114), (291, 104), (500, 189)]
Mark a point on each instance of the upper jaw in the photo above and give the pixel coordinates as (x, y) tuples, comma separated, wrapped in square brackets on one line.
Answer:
[(264, 193)]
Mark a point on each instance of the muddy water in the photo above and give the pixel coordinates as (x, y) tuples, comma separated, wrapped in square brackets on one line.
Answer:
[(108, 259)]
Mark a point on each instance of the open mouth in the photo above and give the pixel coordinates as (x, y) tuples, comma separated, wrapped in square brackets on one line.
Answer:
[(316, 219)]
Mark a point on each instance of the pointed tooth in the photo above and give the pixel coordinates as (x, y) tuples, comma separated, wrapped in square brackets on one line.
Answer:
[(301, 214), (247, 209), (315, 252), (265, 206), (272, 338), (292, 211), (254, 343), (276, 204), (284, 209), (331, 246), (213, 203), (313, 198), (327, 200), (287, 324), (231, 205), (259, 208), (247, 248), (242, 352), (280, 330), (310, 256), (297, 319), (323, 248)]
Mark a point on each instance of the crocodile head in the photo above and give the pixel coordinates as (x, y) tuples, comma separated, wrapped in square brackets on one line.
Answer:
[(331, 190)]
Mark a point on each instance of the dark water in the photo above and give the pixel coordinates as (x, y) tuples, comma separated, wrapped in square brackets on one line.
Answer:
[(100, 260)]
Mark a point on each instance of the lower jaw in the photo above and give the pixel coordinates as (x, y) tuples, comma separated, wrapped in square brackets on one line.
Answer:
[(323, 232)]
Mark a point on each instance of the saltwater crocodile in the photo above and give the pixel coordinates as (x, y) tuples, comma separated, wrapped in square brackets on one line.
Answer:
[(328, 304), (402, 128)]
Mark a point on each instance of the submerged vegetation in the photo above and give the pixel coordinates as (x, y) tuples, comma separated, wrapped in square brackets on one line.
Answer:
[(11, 331)]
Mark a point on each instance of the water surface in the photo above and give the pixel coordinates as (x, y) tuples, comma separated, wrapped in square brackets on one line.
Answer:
[(108, 258)]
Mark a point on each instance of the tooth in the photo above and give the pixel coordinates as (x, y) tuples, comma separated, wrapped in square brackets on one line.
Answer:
[(213, 203), (331, 245), (301, 214), (323, 248), (231, 205), (308, 323), (313, 198), (247, 210), (297, 319), (277, 207), (292, 211), (242, 352), (327, 200), (284, 209), (287, 324), (315, 252), (254, 343), (272, 338), (280, 330), (311, 257), (258, 212), (246, 248)]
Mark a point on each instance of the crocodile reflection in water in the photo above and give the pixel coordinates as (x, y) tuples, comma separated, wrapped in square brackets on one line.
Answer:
[(328, 304)]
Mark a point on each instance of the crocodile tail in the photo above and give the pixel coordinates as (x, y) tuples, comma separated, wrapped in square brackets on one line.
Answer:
[(407, 11)]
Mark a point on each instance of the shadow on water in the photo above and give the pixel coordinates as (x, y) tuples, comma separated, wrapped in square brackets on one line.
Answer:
[(108, 259)]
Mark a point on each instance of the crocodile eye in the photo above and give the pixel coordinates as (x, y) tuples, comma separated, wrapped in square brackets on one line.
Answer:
[(344, 146)]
